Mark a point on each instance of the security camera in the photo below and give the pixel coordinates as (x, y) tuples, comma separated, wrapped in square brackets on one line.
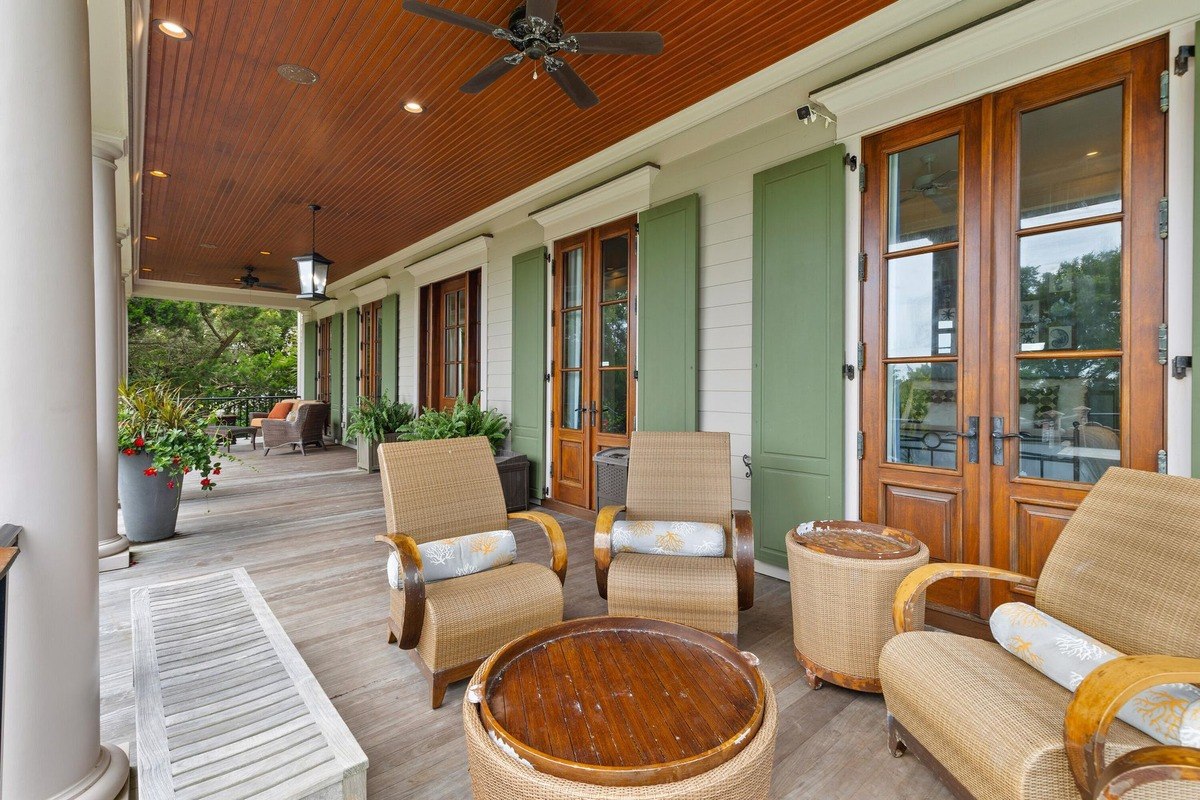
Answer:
[(814, 111), (804, 114)]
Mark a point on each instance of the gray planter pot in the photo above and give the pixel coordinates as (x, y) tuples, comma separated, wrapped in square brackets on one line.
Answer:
[(150, 508), (368, 451)]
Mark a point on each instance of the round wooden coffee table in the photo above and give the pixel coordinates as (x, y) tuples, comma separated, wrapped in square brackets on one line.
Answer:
[(621, 701)]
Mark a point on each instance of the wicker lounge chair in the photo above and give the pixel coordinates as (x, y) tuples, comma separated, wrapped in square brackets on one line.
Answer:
[(679, 477), (442, 489), (1124, 571), (307, 427)]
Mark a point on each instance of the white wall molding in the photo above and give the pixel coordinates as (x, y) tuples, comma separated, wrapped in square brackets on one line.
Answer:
[(456, 260), (171, 290), (619, 197), (323, 310), (370, 292), (1008, 49)]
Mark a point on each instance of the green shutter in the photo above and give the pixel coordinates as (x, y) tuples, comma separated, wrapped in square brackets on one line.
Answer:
[(798, 415), (389, 349), (1196, 273), (335, 374), (668, 302), (529, 362), (352, 359), (309, 390)]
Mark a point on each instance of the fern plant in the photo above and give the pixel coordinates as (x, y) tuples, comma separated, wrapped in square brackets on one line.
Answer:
[(375, 420), (467, 418)]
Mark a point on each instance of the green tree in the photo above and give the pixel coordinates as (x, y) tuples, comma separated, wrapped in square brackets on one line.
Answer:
[(212, 350)]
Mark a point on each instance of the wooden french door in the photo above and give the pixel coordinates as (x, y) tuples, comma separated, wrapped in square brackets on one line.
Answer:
[(324, 390), (370, 346), (450, 350), (1011, 309), (594, 345)]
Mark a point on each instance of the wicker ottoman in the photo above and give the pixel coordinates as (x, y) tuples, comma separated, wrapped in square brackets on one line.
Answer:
[(498, 775), (844, 578)]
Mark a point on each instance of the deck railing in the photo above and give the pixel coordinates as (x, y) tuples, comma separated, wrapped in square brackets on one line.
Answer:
[(236, 410)]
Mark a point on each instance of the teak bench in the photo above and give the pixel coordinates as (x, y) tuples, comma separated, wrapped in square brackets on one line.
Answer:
[(226, 707)]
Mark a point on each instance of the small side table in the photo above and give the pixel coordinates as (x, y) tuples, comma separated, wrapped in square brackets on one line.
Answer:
[(231, 433), (844, 578)]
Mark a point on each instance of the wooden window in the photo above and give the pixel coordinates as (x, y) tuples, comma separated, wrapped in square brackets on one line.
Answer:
[(370, 320), (450, 340), (1013, 295)]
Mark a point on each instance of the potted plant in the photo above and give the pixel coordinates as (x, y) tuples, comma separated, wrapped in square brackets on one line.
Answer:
[(162, 439), (469, 418), (374, 422)]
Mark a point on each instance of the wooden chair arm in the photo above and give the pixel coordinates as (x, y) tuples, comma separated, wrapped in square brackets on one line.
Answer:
[(743, 557), (414, 587), (554, 532), (602, 545), (1094, 707), (913, 587)]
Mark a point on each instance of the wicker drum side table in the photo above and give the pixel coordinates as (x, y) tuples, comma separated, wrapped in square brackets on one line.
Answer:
[(844, 577)]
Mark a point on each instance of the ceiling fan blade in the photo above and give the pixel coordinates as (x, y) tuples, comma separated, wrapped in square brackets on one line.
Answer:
[(488, 75), (575, 87), (453, 17), (950, 173), (629, 43), (542, 9)]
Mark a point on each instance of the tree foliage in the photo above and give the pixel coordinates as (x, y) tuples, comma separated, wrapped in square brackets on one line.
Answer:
[(212, 350)]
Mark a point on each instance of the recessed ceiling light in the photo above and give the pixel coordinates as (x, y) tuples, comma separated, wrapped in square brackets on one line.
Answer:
[(173, 29), (208, 246), (1091, 153), (297, 74), (413, 107), (264, 252), (149, 238), (158, 173)]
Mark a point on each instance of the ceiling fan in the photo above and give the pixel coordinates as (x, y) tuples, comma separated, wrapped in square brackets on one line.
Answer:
[(536, 33), (934, 187), (252, 281)]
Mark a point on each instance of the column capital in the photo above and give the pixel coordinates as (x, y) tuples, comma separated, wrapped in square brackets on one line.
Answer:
[(107, 147)]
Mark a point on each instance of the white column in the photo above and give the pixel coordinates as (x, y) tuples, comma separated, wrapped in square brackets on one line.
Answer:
[(51, 747), (110, 293)]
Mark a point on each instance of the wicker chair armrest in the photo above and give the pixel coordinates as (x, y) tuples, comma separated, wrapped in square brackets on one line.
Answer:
[(259, 414), (414, 587), (1094, 707), (743, 557), (277, 425), (554, 532), (602, 545), (913, 587)]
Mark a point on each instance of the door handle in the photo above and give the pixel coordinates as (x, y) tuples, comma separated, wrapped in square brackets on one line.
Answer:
[(971, 434), (593, 412), (998, 437)]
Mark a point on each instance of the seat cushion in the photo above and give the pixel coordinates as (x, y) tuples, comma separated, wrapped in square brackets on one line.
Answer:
[(280, 410), (469, 618), (700, 592), (990, 719), (257, 422)]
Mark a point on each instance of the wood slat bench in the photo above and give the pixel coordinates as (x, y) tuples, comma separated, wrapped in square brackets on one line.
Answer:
[(226, 707)]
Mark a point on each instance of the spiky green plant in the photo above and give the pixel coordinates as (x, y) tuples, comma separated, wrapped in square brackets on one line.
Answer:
[(153, 419)]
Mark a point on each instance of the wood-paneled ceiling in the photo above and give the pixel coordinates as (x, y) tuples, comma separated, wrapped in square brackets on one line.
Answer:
[(247, 151)]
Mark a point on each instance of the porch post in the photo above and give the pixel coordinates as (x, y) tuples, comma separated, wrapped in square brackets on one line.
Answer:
[(51, 747), (110, 291)]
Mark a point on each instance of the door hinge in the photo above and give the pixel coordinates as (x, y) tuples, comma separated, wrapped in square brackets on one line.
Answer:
[(1162, 462), (635, 374), (1186, 51), (1162, 343), (862, 177), (862, 266), (1164, 208), (637, 227), (1164, 92), (862, 445), (547, 377), (862, 356), (848, 371)]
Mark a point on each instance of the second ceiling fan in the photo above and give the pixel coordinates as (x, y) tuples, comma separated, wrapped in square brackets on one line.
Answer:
[(536, 33)]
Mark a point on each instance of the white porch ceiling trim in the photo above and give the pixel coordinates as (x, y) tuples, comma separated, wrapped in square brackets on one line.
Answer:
[(322, 310), (172, 290), (454, 261), (370, 292), (1011, 48), (614, 199)]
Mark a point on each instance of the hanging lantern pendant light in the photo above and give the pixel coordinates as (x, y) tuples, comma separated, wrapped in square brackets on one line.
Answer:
[(313, 267)]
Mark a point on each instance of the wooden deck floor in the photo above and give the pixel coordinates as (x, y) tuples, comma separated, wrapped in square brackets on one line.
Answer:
[(302, 528)]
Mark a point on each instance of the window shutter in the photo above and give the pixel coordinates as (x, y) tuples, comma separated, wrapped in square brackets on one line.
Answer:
[(668, 302), (529, 363), (335, 374), (798, 414), (389, 351), (309, 390)]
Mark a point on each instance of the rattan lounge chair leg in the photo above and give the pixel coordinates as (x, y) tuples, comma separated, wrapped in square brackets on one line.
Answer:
[(812, 680), (895, 744), (265, 451), (391, 634), (438, 685)]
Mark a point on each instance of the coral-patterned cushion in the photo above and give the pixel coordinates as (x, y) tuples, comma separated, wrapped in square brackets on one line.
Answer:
[(280, 410), (462, 555), (1066, 656), (668, 538)]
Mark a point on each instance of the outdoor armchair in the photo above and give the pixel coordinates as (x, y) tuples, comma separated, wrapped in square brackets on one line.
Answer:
[(443, 489), (679, 477), (1124, 571), (305, 425)]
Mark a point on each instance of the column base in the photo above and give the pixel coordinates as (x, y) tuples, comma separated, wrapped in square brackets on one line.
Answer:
[(114, 554), (108, 780)]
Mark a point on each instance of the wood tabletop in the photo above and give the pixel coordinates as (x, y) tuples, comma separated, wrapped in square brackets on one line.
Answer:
[(853, 539), (623, 700)]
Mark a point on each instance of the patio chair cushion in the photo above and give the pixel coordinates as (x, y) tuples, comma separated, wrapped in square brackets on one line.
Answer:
[(469, 618), (1066, 656), (461, 555), (1189, 729), (991, 720), (280, 410), (700, 592), (668, 538), (294, 413)]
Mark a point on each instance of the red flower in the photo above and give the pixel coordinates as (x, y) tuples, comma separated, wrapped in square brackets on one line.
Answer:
[(170, 484), (151, 472), (186, 470), (205, 482), (174, 459), (217, 471), (139, 442), (129, 451)]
